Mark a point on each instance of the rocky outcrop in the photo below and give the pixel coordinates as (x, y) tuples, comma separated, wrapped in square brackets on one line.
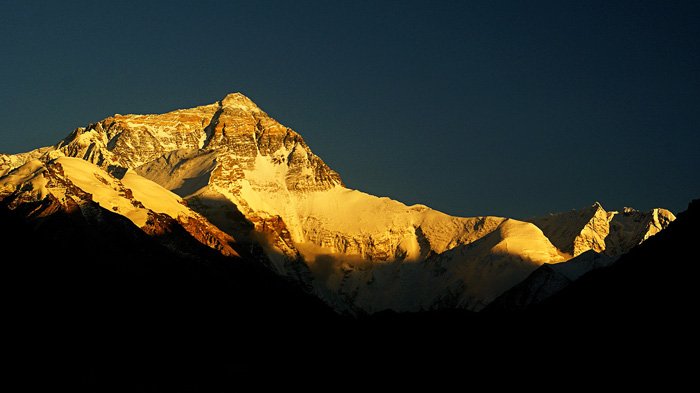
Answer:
[(210, 236)]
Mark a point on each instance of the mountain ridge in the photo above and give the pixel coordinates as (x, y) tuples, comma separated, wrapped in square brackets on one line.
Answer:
[(259, 183)]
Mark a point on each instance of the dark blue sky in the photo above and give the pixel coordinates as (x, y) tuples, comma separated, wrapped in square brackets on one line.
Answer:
[(513, 108)]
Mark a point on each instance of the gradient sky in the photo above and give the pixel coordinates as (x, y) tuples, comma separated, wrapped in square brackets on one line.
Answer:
[(513, 108)]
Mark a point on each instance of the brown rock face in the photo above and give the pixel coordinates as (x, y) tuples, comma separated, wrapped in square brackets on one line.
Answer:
[(211, 236), (241, 132), (167, 229), (128, 141), (234, 127)]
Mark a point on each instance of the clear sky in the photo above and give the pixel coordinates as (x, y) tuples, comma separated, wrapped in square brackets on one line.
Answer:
[(513, 108)]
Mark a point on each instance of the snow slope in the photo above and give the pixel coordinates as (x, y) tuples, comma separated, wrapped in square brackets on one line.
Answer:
[(28, 178), (75, 182), (155, 197), (107, 191), (466, 276)]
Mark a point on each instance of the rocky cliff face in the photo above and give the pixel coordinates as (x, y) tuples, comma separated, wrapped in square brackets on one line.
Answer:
[(257, 181)]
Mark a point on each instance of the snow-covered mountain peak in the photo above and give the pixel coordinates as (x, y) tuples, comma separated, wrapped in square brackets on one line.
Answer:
[(594, 228), (260, 183), (240, 101)]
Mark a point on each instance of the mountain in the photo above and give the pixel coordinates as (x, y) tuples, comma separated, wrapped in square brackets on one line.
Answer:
[(234, 177), (651, 287), (89, 258), (604, 238), (596, 229)]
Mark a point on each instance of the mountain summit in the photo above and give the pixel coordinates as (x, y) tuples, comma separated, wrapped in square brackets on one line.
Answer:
[(240, 101), (247, 177)]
